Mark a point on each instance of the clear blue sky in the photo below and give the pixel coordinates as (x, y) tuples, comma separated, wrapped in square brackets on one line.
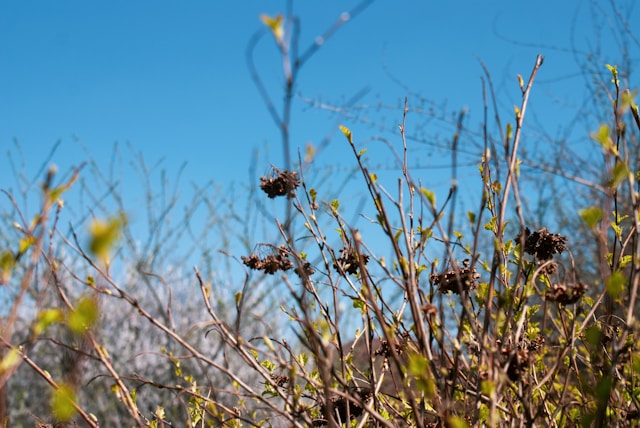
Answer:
[(171, 77)]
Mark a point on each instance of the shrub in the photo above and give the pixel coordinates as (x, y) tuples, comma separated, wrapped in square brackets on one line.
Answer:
[(499, 331)]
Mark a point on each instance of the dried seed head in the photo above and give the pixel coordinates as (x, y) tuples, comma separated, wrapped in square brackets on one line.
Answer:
[(349, 261), (518, 361), (535, 345), (344, 408), (455, 280), (280, 380), (280, 183), (400, 345), (278, 260), (541, 243), (304, 270), (566, 294)]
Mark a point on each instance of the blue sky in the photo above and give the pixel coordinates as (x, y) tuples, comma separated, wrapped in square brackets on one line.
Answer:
[(170, 78)]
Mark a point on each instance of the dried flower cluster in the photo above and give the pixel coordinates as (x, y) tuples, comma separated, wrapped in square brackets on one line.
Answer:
[(271, 263), (542, 244), (519, 359), (344, 408), (349, 261), (566, 294), (535, 345), (550, 267), (280, 183), (305, 270), (280, 380), (400, 346), (455, 280)]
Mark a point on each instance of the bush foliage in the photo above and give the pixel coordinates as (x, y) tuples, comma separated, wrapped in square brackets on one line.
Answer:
[(502, 329)]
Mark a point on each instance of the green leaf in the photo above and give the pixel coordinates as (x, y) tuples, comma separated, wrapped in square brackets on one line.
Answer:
[(57, 192), (313, 194), (83, 316), (472, 217), (347, 132), (627, 100), (614, 72), (9, 360), (492, 225), (25, 244), (418, 364), (508, 246), (456, 422), (625, 260), (425, 233), (275, 25), (268, 343), (482, 292), (617, 229), (616, 284), (46, 318), (62, 403), (603, 389), (104, 235), (310, 152), (335, 204), (419, 369), (159, 413), (7, 263), (431, 197), (634, 108), (603, 137), (619, 174), (593, 336), (361, 152), (509, 131), (591, 216)]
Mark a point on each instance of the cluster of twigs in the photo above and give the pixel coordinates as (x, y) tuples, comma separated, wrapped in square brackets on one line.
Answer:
[(525, 345), (501, 336)]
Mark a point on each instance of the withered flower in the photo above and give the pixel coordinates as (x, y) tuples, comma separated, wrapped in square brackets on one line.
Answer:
[(349, 261), (304, 270), (252, 262), (519, 357), (518, 361), (280, 380), (400, 345), (454, 280), (343, 407), (542, 244), (535, 345), (278, 260), (566, 294), (280, 183)]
